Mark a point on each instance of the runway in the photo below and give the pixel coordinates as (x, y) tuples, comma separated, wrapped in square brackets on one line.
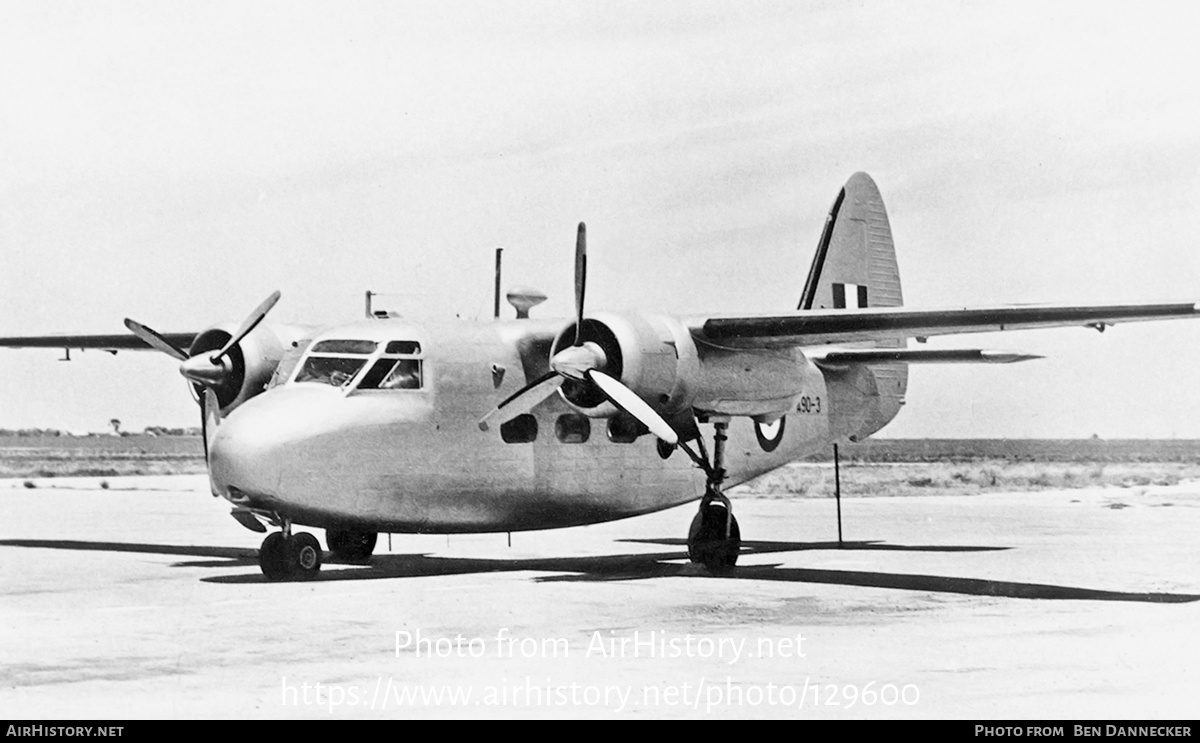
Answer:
[(145, 600)]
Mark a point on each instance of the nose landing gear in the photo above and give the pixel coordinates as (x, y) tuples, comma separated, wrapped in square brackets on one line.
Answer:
[(285, 555)]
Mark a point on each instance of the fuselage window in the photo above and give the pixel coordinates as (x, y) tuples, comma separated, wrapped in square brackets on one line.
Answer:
[(572, 429), (624, 429), (520, 430)]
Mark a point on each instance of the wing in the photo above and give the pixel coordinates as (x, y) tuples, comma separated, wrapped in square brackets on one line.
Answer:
[(109, 342), (815, 327)]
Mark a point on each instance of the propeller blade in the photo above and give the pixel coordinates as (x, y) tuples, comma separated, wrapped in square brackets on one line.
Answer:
[(523, 400), (154, 340), (580, 280), (628, 400), (249, 324), (209, 420)]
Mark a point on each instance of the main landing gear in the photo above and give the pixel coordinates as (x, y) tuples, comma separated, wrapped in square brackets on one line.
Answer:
[(350, 545), (714, 539), (285, 555)]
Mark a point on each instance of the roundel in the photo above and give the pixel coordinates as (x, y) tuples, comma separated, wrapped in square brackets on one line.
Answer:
[(769, 434)]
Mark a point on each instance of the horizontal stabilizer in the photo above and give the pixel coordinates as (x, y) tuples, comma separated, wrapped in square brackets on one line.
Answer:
[(845, 357)]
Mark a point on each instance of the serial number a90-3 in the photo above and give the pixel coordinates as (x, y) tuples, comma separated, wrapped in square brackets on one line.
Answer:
[(809, 405)]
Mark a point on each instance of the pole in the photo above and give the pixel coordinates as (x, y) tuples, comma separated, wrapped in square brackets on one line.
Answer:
[(496, 313), (837, 489)]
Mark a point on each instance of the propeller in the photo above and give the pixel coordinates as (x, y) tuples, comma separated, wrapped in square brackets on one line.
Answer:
[(581, 362), (155, 340), (210, 418), (209, 370)]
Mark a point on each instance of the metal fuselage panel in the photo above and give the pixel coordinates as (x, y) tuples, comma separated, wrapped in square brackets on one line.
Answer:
[(416, 461)]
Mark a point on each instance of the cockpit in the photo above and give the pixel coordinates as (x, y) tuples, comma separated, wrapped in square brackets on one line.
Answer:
[(363, 365)]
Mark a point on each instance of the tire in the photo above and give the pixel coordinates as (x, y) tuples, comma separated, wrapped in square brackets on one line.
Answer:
[(305, 554), (274, 557), (351, 545), (707, 544)]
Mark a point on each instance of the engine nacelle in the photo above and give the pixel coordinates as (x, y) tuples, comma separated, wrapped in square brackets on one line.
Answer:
[(252, 361), (652, 355), (657, 357)]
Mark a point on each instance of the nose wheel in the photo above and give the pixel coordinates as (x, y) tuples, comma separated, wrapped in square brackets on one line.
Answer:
[(286, 556), (714, 539)]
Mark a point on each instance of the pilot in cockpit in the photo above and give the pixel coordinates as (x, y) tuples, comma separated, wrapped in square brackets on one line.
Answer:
[(405, 375)]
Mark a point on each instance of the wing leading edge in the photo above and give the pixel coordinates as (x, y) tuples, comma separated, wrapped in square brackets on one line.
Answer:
[(814, 327), (105, 342)]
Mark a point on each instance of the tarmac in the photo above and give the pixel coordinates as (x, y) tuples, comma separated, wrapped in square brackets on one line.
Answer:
[(144, 599)]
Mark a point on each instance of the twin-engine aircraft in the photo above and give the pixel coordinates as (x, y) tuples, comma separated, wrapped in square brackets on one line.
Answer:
[(394, 426)]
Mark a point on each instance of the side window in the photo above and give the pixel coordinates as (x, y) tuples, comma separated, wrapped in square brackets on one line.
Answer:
[(393, 374), (287, 364), (571, 428), (520, 430), (405, 375)]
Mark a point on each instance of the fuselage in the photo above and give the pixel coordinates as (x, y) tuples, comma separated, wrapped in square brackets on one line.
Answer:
[(339, 439)]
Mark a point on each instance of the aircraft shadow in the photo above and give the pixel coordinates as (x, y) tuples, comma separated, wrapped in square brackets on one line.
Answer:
[(634, 566), (917, 582), (760, 547), (231, 556)]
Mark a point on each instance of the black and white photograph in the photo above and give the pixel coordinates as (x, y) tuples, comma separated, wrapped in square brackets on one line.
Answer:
[(600, 360)]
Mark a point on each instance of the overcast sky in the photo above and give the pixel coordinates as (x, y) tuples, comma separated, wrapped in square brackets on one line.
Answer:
[(176, 162)]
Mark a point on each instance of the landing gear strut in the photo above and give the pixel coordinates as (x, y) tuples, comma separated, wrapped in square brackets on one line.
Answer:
[(285, 555), (714, 539)]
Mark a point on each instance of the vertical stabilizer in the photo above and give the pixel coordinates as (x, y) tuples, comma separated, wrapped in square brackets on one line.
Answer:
[(855, 267), (855, 263)]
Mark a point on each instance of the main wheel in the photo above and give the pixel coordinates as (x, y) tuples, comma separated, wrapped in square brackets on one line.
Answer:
[(274, 557), (305, 555), (350, 545), (707, 541)]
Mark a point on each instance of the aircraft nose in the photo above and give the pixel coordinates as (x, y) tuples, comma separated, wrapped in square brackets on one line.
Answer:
[(246, 457)]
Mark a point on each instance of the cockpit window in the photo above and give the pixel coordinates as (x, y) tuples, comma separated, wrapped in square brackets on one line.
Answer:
[(339, 362), (334, 370), (357, 347), (406, 348), (395, 370), (393, 374)]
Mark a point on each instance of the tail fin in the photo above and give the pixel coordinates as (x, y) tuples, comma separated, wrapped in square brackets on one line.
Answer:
[(855, 264)]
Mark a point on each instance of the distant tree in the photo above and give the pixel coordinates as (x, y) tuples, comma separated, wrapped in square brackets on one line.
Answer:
[(116, 426)]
